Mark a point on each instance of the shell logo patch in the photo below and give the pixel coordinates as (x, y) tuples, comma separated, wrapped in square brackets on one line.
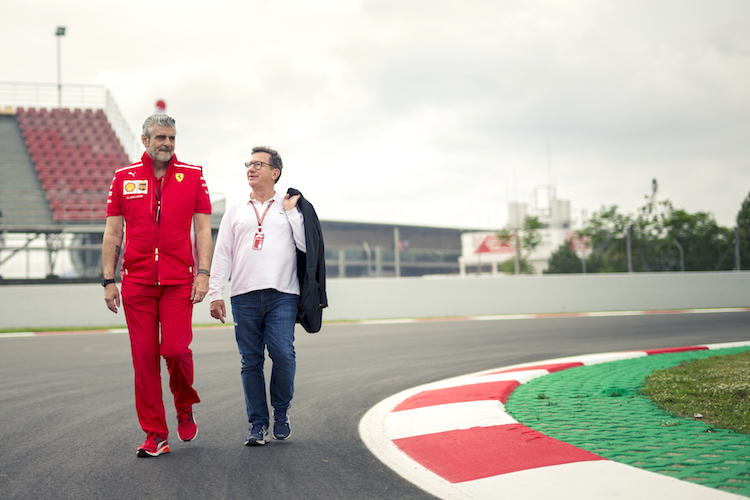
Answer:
[(135, 187), (179, 176)]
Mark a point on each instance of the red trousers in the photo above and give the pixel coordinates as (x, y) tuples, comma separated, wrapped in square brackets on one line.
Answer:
[(147, 307)]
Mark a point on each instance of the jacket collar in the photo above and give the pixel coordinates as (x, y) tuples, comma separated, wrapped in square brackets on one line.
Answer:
[(148, 165)]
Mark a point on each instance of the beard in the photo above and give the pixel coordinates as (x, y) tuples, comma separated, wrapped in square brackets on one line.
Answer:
[(162, 155)]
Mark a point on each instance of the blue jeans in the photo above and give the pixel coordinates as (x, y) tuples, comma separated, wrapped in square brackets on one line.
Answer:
[(265, 318)]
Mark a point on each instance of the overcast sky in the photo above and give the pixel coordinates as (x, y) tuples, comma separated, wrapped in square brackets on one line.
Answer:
[(425, 112)]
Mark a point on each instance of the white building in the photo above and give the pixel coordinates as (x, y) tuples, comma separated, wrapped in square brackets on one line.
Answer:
[(482, 249)]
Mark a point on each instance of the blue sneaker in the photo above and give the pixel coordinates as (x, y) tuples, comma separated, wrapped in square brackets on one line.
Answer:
[(281, 429), (258, 435)]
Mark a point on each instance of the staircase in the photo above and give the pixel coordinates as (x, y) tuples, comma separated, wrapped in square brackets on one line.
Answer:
[(22, 202)]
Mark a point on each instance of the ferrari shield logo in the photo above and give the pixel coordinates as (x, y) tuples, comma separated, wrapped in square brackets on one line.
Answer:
[(179, 177)]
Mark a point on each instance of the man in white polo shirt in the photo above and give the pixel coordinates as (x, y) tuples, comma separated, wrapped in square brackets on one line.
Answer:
[(257, 244)]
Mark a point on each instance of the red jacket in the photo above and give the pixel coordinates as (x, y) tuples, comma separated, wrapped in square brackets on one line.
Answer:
[(159, 242)]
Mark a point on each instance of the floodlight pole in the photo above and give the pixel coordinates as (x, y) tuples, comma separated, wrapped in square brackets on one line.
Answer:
[(59, 34)]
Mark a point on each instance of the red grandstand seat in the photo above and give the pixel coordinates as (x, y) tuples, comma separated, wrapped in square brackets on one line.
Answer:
[(49, 184), (67, 214), (106, 174), (83, 214), (52, 165), (71, 181)]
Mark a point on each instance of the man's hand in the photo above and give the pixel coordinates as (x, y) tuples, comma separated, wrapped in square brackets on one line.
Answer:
[(112, 297), (290, 203), (218, 310), (200, 288)]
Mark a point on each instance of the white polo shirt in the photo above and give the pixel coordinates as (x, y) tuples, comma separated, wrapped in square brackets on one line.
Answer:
[(274, 265)]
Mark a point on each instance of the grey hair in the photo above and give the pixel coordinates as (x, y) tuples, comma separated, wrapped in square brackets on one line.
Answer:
[(158, 119), (275, 158)]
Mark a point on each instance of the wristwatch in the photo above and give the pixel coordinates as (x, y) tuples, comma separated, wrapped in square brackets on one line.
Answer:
[(106, 282)]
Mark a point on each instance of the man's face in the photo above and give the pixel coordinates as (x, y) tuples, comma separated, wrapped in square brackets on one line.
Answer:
[(266, 176), (161, 144)]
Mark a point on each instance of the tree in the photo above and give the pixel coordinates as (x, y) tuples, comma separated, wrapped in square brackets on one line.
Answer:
[(662, 238), (706, 245), (743, 223), (529, 241), (606, 229), (564, 260)]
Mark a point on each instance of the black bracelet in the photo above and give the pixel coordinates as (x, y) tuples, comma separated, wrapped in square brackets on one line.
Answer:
[(204, 271)]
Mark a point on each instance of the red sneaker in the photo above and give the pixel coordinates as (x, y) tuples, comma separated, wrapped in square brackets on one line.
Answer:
[(187, 429), (154, 446)]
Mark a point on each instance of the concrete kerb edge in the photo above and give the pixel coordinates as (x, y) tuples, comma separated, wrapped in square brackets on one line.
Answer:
[(375, 434)]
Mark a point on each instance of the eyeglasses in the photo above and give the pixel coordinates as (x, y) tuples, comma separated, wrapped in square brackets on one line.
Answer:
[(257, 165)]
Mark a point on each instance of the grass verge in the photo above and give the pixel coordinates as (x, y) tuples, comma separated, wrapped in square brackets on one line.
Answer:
[(715, 390)]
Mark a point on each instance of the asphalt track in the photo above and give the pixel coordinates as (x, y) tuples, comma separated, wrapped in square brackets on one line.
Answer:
[(68, 427)]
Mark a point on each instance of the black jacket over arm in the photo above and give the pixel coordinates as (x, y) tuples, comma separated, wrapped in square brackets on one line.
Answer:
[(311, 269)]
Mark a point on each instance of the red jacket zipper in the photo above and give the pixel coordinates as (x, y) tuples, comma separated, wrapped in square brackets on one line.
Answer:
[(158, 223)]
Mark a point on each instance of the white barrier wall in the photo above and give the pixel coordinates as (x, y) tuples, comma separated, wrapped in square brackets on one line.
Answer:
[(72, 306)]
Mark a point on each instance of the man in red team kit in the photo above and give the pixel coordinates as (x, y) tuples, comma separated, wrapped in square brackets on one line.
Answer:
[(158, 212)]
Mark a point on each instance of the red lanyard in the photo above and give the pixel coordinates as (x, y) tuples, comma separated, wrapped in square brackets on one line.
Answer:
[(257, 215)]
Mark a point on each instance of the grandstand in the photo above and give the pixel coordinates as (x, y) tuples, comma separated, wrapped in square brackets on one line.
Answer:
[(57, 163), (75, 154)]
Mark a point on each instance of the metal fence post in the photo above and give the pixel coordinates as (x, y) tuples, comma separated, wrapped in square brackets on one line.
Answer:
[(518, 256), (737, 248), (369, 258), (628, 253), (342, 264), (396, 253), (682, 256), (378, 262), (583, 261)]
